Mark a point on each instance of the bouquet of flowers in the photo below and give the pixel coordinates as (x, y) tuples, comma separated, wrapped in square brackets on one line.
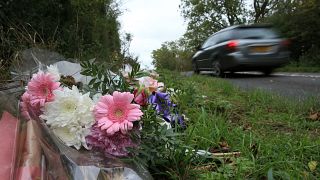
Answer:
[(77, 126)]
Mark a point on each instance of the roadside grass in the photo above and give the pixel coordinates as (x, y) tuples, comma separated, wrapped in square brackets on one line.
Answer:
[(274, 135), (300, 67)]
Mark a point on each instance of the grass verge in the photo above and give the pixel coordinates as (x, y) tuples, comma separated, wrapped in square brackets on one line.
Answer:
[(275, 136), (296, 67)]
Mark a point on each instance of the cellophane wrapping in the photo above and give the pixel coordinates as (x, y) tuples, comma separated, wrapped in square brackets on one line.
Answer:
[(30, 150)]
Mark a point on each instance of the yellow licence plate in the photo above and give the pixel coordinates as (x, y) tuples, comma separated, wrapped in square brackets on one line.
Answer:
[(261, 49)]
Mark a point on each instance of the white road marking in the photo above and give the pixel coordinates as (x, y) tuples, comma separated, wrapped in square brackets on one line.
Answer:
[(309, 75), (298, 75)]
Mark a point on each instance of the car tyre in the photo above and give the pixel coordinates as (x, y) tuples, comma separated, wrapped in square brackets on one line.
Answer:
[(267, 72), (195, 68), (216, 69)]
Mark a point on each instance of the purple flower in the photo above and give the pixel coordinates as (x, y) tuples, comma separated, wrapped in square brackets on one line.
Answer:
[(164, 107), (115, 144)]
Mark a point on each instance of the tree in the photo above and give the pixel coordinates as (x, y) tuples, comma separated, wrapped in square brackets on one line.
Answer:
[(172, 55), (205, 17), (79, 29), (164, 58), (292, 18), (262, 8), (126, 56)]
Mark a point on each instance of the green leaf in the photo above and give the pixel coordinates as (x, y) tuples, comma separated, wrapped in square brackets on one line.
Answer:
[(92, 81), (96, 85), (99, 75), (82, 64), (104, 89), (86, 72)]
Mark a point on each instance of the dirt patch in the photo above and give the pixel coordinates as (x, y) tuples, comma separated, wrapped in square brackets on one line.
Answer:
[(314, 133), (276, 126)]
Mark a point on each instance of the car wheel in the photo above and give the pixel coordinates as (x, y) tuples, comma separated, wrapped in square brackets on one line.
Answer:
[(216, 69), (267, 72), (195, 68)]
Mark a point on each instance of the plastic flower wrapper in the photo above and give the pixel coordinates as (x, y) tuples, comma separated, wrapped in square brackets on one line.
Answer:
[(71, 134), (131, 74), (53, 146), (161, 87), (154, 74), (127, 69), (9, 133), (54, 71), (38, 91)]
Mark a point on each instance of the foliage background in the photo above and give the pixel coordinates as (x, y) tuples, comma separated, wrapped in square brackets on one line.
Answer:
[(78, 29), (297, 20)]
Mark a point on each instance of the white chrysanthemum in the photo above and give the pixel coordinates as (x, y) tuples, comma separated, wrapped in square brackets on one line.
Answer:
[(72, 136), (54, 71), (69, 115)]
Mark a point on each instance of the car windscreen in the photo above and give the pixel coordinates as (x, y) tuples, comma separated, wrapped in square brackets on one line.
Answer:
[(255, 33)]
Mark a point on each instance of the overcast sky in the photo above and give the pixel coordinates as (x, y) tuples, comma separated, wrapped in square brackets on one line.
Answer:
[(151, 22)]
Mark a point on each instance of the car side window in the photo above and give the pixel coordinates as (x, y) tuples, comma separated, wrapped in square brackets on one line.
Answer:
[(208, 42), (211, 41), (224, 36)]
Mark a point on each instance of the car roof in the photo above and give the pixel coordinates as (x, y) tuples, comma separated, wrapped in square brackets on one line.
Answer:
[(243, 26)]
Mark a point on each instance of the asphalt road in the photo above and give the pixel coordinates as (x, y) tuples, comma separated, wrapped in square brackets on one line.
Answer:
[(299, 86)]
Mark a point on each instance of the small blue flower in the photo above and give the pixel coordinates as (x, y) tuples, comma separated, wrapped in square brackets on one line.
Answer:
[(165, 108)]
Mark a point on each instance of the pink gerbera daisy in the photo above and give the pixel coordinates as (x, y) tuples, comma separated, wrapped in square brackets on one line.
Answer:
[(116, 113), (41, 87)]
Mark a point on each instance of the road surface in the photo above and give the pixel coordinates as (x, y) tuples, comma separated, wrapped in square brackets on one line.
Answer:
[(299, 86)]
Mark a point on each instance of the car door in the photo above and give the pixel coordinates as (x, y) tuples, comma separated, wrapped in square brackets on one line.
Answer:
[(204, 54)]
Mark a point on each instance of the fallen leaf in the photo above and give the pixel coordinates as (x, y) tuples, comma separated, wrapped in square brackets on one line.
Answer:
[(223, 147), (269, 110), (314, 116), (210, 167), (223, 144), (312, 165), (247, 127), (305, 174)]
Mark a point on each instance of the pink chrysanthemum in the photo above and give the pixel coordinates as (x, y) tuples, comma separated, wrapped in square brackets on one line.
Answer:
[(116, 113), (115, 144), (41, 87)]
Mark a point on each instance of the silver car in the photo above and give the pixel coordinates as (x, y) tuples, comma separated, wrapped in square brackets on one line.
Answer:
[(242, 48)]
